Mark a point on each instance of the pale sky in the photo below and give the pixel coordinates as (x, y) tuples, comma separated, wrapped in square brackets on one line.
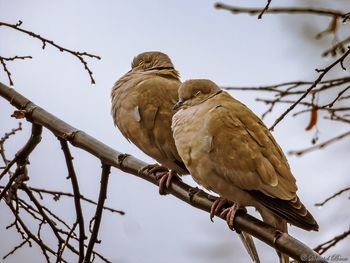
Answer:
[(203, 43)]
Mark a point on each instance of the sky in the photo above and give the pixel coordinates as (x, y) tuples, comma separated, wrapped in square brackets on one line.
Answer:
[(231, 50)]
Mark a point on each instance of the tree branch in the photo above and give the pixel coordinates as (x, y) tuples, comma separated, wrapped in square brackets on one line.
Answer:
[(321, 145), (127, 163), (285, 10), (98, 215), (322, 248), (76, 191), (79, 55), (21, 159), (323, 72), (333, 196)]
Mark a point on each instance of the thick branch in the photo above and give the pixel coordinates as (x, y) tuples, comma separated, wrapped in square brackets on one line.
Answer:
[(285, 243)]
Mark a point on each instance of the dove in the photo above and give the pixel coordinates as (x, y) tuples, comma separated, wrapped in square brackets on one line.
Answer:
[(228, 150), (142, 109)]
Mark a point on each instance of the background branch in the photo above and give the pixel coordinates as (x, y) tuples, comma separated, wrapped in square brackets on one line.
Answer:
[(279, 10), (45, 41)]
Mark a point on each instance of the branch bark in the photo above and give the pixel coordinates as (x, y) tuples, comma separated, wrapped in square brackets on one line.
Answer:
[(129, 164)]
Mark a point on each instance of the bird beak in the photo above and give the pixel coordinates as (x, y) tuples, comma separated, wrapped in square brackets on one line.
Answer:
[(178, 104)]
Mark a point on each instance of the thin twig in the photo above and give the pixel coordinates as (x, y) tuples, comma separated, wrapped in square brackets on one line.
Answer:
[(320, 77), (5, 68), (75, 186), (332, 196), (21, 158), (330, 105), (98, 214), (285, 10), (82, 197), (48, 220), (42, 245), (320, 146), (264, 9), (79, 55), (322, 248)]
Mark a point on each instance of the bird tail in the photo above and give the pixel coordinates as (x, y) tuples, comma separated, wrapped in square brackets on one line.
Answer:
[(249, 245)]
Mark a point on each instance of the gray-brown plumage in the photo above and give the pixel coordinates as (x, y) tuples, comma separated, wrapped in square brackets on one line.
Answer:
[(142, 108), (142, 103), (229, 150)]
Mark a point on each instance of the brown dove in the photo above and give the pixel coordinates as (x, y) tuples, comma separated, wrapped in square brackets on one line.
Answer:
[(229, 150), (142, 108)]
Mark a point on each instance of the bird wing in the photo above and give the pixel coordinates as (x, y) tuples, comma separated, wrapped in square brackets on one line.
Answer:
[(248, 156), (142, 110), (245, 151)]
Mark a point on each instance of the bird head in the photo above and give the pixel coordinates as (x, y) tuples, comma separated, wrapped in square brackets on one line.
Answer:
[(195, 91), (151, 60)]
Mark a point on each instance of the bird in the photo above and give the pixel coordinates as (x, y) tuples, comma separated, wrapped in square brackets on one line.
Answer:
[(228, 150), (142, 108)]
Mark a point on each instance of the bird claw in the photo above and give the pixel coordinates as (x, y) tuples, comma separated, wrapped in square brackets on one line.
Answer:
[(216, 206), (162, 174), (153, 168), (227, 213), (165, 179)]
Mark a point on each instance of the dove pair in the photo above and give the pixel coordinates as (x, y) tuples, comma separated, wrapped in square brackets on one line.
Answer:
[(217, 139)]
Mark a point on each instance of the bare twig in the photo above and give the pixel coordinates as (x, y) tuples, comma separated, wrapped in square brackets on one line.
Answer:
[(98, 215), (323, 72), (4, 65), (21, 159), (321, 145), (2, 148), (9, 134), (322, 248), (264, 9), (51, 223), (42, 246), (337, 48), (332, 196), (75, 186), (292, 85), (57, 194), (330, 105), (284, 10), (25, 241), (79, 55)]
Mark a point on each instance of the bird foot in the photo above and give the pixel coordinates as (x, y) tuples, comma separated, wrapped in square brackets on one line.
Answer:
[(218, 204), (228, 213), (162, 174)]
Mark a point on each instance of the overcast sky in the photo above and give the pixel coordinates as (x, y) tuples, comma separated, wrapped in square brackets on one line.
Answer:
[(203, 43)]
